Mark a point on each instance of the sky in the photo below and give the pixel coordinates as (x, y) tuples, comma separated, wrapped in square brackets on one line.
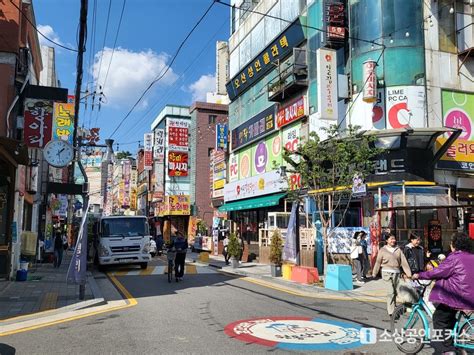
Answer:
[(150, 34)]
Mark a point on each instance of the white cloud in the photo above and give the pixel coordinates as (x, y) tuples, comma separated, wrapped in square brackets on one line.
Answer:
[(48, 31), (199, 89), (130, 74)]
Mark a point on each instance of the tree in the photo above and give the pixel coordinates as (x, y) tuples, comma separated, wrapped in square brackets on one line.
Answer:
[(329, 166), (276, 246), (123, 155)]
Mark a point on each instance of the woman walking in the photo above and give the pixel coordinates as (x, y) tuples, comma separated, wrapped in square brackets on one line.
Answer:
[(391, 259)]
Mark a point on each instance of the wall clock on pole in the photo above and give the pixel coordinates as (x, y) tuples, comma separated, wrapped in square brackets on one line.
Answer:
[(58, 153)]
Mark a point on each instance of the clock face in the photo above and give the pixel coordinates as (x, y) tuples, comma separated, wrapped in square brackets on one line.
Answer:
[(58, 153)]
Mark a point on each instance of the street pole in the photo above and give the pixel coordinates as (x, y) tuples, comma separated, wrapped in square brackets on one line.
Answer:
[(297, 233), (77, 99)]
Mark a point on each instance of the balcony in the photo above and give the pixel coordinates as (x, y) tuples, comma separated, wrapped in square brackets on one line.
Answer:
[(291, 79), (465, 37)]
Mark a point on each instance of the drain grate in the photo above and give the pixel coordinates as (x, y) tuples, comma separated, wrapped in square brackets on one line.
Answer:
[(34, 278)]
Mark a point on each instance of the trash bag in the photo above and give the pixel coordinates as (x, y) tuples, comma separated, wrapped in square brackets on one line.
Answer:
[(407, 292)]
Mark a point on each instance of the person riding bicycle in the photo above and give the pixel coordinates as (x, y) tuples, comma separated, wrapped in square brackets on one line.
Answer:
[(181, 246), (454, 287)]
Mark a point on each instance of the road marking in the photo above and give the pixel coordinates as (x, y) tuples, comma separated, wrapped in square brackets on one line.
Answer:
[(191, 269), (78, 314), (49, 301), (147, 271), (310, 295), (158, 270)]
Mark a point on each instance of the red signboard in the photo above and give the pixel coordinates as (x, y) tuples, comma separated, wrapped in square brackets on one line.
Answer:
[(177, 164), (38, 122), (291, 112), (178, 138)]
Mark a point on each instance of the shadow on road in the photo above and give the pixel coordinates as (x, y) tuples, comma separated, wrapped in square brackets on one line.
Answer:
[(7, 349)]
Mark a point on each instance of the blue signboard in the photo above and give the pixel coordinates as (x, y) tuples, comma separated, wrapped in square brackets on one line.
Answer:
[(255, 128), (222, 133), (278, 49)]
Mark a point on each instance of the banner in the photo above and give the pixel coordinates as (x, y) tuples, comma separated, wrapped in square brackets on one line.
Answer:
[(327, 83), (175, 205), (405, 107), (76, 272), (255, 128), (38, 122), (289, 249), (177, 164), (291, 112), (148, 151), (126, 181), (63, 120), (159, 148), (178, 135)]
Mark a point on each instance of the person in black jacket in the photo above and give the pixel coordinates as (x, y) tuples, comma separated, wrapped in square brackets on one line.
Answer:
[(415, 254)]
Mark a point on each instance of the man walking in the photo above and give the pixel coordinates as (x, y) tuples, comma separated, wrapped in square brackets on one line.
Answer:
[(58, 249), (181, 245), (415, 254)]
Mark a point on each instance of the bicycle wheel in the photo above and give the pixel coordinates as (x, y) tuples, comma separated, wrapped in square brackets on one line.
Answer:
[(466, 335), (407, 330), (170, 270)]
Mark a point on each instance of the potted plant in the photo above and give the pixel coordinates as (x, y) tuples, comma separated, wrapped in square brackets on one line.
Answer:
[(234, 249), (276, 247)]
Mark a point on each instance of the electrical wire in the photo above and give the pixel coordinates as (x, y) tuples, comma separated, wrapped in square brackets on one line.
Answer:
[(160, 76), (36, 29), (175, 86), (105, 38), (91, 57)]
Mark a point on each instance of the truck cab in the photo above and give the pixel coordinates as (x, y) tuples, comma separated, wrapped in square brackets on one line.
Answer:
[(122, 240)]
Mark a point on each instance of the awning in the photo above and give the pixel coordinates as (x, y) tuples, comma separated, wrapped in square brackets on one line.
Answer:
[(253, 203)]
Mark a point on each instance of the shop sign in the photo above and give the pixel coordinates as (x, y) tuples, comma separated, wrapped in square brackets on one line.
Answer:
[(218, 193), (63, 120), (255, 128), (368, 115), (159, 147), (219, 184), (327, 83), (369, 78), (233, 167), (218, 156), (458, 112), (219, 175), (405, 107), (264, 184), (126, 183), (264, 62), (335, 21), (291, 139), (219, 167), (222, 136), (159, 177), (178, 135), (359, 189), (177, 164), (38, 122), (134, 177), (148, 151), (261, 158), (245, 164), (175, 205), (291, 112)]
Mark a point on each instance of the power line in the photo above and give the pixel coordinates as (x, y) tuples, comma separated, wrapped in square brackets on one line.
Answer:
[(167, 68), (91, 57), (170, 92), (113, 51), (103, 43), (36, 29)]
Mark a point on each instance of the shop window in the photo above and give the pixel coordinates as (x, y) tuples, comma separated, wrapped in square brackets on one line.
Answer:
[(212, 119), (446, 27)]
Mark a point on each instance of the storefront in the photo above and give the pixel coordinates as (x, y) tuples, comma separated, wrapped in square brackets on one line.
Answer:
[(174, 215)]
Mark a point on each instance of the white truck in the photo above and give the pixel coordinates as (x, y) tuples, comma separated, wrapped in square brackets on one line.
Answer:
[(122, 240)]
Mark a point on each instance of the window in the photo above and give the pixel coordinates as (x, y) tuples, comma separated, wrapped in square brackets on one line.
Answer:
[(209, 151), (446, 27), (232, 22), (212, 119)]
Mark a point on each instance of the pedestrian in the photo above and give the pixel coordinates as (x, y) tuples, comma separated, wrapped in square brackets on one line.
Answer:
[(365, 254), (391, 259), (454, 287), (181, 246), (58, 249), (356, 253), (225, 252), (415, 254)]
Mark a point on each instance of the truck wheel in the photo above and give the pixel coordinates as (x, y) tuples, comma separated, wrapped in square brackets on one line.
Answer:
[(144, 265)]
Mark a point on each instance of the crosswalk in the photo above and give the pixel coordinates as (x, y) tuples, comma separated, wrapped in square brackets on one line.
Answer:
[(190, 269)]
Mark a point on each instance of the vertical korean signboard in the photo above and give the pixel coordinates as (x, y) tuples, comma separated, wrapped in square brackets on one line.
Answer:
[(159, 147), (148, 151), (178, 135), (327, 83), (177, 164), (127, 183), (222, 133), (63, 120), (38, 122)]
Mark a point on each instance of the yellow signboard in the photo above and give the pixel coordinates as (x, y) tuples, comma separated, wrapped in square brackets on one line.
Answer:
[(219, 184), (175, 205)]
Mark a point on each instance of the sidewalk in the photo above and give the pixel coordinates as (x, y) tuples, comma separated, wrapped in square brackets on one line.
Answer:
[(45, 290), (371, 291)]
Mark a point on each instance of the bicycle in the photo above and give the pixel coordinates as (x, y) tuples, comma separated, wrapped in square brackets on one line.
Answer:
[(412, 321), (170, 255)]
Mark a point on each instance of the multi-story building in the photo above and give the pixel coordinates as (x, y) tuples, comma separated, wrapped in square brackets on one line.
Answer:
[(206, 119), (20, 65), (170, 179), (312, 64)]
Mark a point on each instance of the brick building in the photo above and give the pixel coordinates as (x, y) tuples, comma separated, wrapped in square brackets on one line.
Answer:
[(204, 117)]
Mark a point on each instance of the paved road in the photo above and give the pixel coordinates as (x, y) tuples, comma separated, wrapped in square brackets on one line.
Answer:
[(192, 316)]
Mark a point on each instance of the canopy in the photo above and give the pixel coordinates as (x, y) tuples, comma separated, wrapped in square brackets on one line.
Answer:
[(253, 203)]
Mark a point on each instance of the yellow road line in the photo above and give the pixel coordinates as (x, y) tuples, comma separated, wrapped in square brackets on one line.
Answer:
[(191, 269), (308, 295), (131, 301), (147, 271)]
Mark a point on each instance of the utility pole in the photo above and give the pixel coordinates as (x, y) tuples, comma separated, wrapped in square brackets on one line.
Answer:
[(79, 70)]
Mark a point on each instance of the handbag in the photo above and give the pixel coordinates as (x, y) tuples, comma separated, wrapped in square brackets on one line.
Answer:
[(407, 292)]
